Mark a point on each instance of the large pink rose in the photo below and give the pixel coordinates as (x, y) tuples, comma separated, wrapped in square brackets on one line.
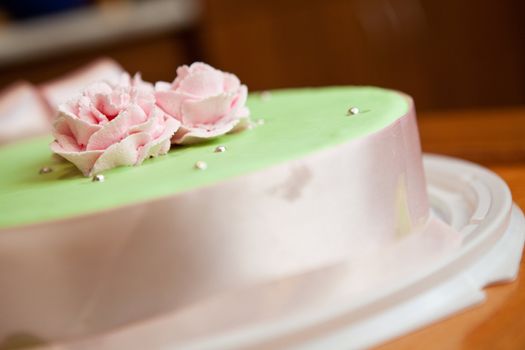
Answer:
[(206, 101), (112, 124)]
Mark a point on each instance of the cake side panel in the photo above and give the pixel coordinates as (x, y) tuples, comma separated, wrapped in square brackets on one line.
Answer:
[(414, 177), (89, 274)]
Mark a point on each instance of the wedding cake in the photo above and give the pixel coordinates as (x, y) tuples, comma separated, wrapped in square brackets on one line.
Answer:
[(152, 197)]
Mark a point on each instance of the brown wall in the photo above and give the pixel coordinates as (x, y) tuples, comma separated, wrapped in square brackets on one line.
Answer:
[(446, 53)]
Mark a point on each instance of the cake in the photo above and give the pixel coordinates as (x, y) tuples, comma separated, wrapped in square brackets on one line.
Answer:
[(320, 175), (22, 113)]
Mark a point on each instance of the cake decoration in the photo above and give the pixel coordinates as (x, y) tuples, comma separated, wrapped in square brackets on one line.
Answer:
[(121, 124), (99, 178), (220, 149), (201, 165), (352, 111), (45, 170), (206, 101), (112, 124)]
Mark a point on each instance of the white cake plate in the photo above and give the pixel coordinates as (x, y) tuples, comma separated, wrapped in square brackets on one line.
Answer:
[(469, 198), (472, 200)]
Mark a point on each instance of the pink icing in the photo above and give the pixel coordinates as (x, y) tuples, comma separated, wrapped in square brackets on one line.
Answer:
[(112, 124), (206, 101)]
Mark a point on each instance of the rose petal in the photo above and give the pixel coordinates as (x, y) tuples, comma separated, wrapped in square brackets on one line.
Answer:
[(153, 149), (79, 129), (157, 124), (148, 126), (146, 101), (125, 80), (123, 153), (201, 67), (202, 84), (111, 104), (117, 129), (239, 109), (82, 108), (142, 93), (189, 136), (243, 123), (84, 161), (68, 143), (207, 111), (97, 88), (162, 86), (182, 73), (170, 102), (231, 82), (243, 113), (160, 145)]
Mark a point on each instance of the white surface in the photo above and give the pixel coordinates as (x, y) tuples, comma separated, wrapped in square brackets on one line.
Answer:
[(85, 27)]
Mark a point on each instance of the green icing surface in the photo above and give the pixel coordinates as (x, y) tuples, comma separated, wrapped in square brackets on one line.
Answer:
[(297, 122)]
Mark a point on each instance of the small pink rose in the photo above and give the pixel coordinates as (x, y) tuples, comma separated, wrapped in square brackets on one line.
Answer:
[(206, 101), (112, 124)]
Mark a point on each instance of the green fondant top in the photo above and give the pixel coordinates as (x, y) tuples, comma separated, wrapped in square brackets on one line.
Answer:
[(297, 122)]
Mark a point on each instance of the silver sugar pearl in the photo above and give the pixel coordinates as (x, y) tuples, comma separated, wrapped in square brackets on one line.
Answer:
[(201, 165), (98, 178), (259, 121), (45, 170), (353, 111), (220, 149), (265, 95)]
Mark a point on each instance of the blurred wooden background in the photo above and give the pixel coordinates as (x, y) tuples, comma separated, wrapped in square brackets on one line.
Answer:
[(446, 54)]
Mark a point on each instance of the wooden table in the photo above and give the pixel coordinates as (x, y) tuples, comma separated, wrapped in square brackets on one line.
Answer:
[(496, 139)]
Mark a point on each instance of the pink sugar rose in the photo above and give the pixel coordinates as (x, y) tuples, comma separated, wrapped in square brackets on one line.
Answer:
[(206, 101), (112, 124)]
